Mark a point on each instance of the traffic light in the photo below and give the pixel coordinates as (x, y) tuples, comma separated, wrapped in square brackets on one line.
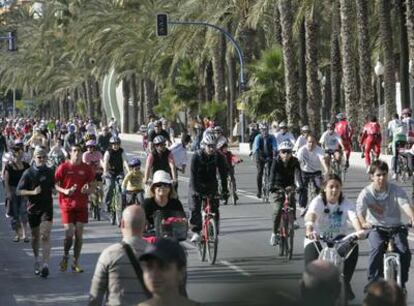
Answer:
[(162, 24), (11, 41)]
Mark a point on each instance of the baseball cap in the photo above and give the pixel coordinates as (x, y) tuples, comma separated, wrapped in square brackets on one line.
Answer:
[(166, 250)]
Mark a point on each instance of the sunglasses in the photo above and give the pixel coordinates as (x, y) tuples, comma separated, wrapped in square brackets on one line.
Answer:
[(286, 151), (162, 185), (41, 157), (160, 145), (211, 146)]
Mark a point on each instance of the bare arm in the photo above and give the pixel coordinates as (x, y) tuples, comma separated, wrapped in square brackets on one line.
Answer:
[(310, 219)]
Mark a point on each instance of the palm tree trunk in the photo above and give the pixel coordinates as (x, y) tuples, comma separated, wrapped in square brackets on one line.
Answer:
[(366, 96), (313, 90), (286, 21), (410, 31), (385, 36), (98, 99), (277, 28), (134, 95), (218, 51), (348, 69), (335, 56), (231, 81), (303, 115), (125, 105), (208, 79), (404, 58), (141, 109), (149, 97)]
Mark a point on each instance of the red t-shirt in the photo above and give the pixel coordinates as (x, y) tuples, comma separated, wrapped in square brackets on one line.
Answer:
[(68, 175)]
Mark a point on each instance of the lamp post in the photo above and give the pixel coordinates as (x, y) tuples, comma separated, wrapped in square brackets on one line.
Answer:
[(410, 81), (379, 71)]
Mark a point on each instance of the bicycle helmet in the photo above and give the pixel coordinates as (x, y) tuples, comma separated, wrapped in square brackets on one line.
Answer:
[(72, 128), (90, 143), (341, 116), (407, 111), (159, 140), (286, 145), (143, 128), (209, 139), (305, 128), (218, 129), (282, 125), (115, 140), (262, 126), (135, 162)]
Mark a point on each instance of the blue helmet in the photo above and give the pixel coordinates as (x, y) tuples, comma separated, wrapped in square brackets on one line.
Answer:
[(135, 162)]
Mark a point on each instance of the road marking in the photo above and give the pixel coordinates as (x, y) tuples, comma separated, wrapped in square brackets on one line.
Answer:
[(235, 268)]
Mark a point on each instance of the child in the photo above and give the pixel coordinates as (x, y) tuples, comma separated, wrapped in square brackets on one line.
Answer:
[(232, 160), (132, 184)]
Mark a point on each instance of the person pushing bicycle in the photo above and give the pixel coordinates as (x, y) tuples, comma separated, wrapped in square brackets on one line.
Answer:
[(203, 181), (284, 174), (380, 204)]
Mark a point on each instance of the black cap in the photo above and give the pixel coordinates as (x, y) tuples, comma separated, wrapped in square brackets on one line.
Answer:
[(167, 250)]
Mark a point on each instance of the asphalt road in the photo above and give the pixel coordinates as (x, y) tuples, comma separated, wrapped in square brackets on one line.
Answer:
[(248, 268)]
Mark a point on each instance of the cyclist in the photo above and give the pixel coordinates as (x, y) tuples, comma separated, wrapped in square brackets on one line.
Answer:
[(220, 138), (179, 153), (380, 204), (232, 160), (253, 132), (283, 134), (203, 181), (284, 174), (157, 131), (37, 184), (301, 141), (91, 128), (93, 158), (160, 159), (312, 163), (74, 182), (57, 153), (114, 162), (37, 139), (71, 138), (332, 144), (103, 139), (166, 126), (113, 127), (344, 129), (328, 215), (264, 149), (132, 184), (371, 139), (406, 115), (397, 132)]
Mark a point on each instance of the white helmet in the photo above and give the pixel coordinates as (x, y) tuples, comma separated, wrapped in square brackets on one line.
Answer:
[(209, 139), (286, 145), (305, 128)]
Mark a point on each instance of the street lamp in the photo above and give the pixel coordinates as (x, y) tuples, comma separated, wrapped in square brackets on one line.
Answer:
[(322, 80), (379, 71)]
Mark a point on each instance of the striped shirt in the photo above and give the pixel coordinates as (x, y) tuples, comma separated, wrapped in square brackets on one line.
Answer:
[(114, 281)]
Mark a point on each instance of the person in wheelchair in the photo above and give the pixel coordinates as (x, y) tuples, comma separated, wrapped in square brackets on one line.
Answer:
[(332, 143), (162, 198)]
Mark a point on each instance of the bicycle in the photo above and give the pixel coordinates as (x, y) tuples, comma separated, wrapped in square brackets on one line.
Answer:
[(95, 205), (392, 263), (286, 227), (337, 167), (209, 233), (116, 206), (231, 182), (336, 251), (312, 188), (403, 171)]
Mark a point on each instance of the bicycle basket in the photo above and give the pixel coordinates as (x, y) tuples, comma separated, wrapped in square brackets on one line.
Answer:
[(171, 224)]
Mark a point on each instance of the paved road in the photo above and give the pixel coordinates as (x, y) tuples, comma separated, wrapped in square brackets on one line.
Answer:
[(247, 268)]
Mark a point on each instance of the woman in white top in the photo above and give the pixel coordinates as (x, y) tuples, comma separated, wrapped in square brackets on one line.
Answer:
[(327, 215)]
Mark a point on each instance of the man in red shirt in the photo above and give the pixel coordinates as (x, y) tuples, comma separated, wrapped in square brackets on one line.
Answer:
[(73, 182), (371, 139), (345, 131)]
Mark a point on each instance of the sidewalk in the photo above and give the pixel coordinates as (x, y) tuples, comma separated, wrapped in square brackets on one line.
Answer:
[(354, 160)]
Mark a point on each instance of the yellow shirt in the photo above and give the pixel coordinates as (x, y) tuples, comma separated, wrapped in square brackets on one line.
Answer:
[(133, 181)]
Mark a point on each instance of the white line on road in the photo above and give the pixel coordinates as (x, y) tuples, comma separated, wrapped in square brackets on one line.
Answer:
[(235, 268)]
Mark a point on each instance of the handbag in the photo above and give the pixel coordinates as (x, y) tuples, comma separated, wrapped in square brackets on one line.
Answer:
[(137, 267)]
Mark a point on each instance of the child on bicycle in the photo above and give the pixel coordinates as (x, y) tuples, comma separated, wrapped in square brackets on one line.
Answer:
[(132, 186), (232, 160)]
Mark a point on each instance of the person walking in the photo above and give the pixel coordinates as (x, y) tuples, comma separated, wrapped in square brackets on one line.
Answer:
[(115, 281)]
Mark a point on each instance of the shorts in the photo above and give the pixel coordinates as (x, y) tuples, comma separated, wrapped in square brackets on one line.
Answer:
[(74, 215), (36, 218)]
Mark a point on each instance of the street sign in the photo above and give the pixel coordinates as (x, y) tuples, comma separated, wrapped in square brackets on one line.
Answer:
[(162, 24)]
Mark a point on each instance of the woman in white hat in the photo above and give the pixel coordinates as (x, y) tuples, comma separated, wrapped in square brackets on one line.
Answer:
[(162, 197)]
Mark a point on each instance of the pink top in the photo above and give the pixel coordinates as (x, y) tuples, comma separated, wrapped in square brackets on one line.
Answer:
[(93, 159)]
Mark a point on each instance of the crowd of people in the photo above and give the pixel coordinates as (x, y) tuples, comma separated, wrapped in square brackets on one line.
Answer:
[(72, 158)]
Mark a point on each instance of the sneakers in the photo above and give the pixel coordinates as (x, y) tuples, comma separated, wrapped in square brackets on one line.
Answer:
[(259, 195), (76, 268), (196, 238), (45, 271), (296, 225), (37, 268), (64, 264), (274, 239)]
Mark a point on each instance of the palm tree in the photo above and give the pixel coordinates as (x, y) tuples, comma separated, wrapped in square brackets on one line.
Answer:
[(348, 69), (335, 59), (410, 31), (366, 96), (386, 40)]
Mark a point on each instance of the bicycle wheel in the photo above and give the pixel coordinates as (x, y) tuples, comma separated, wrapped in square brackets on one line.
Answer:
[(212, 241), (202, 248), (405, 173), (118, 207), (232, 193), (390, 272)]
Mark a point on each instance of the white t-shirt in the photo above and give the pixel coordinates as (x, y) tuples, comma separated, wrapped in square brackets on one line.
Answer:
[(179, 154), (331, 224), (330, 141), (310, 161), (300, 142), (280, 137)]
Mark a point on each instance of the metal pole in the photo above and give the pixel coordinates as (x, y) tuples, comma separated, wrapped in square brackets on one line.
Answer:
[(241, 61)]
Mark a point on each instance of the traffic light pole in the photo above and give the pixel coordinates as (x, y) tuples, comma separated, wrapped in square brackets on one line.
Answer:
[(241, 61)]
